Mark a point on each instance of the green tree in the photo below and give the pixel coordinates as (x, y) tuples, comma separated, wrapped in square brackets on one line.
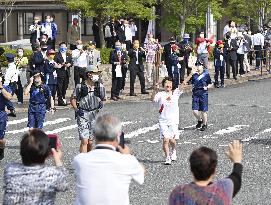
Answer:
[(103, 9), (245, 11), (188, 15)]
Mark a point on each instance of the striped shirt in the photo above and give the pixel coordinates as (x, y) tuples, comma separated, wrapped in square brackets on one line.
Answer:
[(38, 184)]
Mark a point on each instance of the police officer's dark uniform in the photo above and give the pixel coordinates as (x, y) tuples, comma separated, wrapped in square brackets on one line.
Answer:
[(39, 95), (3, 117)]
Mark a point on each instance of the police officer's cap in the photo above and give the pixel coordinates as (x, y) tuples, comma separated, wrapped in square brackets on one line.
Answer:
[(199, 63), (10, 57), (93, 70), (36, 73)]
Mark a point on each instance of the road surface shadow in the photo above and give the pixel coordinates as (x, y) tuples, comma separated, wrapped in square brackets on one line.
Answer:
[(260, 141)]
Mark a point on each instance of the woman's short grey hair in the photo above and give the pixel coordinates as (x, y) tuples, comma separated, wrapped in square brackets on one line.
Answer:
[(107, 128)]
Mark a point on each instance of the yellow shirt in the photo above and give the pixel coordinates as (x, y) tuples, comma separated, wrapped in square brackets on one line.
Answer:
[(21, 62)]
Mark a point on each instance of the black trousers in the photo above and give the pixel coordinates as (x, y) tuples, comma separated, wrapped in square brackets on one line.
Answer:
[(62, 85), (128, 45), (72, 47), (182, 71), (169, 70), (79, 73), (219, 70), (136, 71), (231, 63), (258, 52), (116, 86), (19, 91), (240, 60), (124, 73)]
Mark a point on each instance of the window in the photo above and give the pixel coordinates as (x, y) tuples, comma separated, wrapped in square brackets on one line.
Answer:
[(86, 25), (1, 25), (28, 21)]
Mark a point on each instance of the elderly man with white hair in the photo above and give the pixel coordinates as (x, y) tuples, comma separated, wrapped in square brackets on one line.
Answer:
[(103, 175)]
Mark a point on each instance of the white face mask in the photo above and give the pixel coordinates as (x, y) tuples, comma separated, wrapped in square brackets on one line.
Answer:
[(48, 20), (79, 47), (95, 78), (20, 53)]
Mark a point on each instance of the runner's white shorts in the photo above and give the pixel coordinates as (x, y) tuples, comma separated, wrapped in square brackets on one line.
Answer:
[(169, 131)]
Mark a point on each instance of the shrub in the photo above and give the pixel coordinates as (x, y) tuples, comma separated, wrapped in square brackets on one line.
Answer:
[(105, 55), (3, 62)]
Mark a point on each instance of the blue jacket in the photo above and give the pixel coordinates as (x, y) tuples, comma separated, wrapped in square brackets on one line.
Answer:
[(39, 95), (218, 56), (50, 73), (173, 61), (199, 82), (38, 61)]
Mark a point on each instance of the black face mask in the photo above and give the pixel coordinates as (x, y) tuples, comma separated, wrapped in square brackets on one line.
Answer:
[(44, 49)]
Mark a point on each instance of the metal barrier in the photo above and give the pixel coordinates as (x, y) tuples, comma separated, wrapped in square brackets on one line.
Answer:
[(264, 58)]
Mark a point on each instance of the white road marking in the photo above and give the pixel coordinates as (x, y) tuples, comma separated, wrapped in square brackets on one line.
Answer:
[(62, 129), (59, 120), (141, 131), (231, 129), (152, 141), (14, 122), (256, 136)]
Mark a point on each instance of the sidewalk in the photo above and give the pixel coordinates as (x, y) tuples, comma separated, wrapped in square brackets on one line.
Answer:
[(252, 75)]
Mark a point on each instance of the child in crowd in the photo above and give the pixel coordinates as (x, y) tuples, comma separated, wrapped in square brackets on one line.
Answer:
[(219, 63)]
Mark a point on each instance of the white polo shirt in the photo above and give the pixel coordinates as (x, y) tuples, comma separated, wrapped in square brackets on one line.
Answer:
[(79, 60), (11, 74), (103, 176)]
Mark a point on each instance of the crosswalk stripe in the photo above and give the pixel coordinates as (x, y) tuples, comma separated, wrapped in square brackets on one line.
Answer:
[(231, 129), (57, 121), (14, 122), (142, 131)]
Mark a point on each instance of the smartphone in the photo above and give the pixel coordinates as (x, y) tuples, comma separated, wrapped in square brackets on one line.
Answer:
[(54, 141), (122, 140)]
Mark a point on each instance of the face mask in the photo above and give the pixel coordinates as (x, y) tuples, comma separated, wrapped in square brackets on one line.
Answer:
[(51, 57), (52, 19), (79, 47), (44, 49), (63, 50), (44, 39), (136, 46), (95, 78), (36, 22), (201, 35), (20, 53), (118, 48), (48, 20)]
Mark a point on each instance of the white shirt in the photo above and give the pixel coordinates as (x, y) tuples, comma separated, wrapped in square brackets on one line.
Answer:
[(11, 74), (103, 177), (79, 60), (133, 29), (137, 56), (240, 49), (64, 57), (257, 39), (128, 33), (202, 48), (170, 112), (47, 29)]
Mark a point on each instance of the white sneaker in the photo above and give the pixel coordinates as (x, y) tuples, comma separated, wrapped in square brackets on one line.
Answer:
[(173, 155), (168, 161)]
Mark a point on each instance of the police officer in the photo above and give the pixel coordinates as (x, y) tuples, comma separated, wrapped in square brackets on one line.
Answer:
[(87, 101), (39, 95), (11, 79), (5, 95), (201, 82)]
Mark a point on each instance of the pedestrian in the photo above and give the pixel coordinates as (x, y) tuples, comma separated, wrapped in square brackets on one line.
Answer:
[(136, 67), (64, 59), (39, 95), (73, 34), (117, 59), (166, 54), (203, 190), (32, 181), (93, 56), (5, 95), (240, 53), (201, 82), (151, 48), (175, 64), (50, 71), (54, 32), (21, 63), (203, 48), (231, 48), (79, 56), (247, 49), (133, 29), (11, 79), (128, 35), (185, 48), (112, 167), (168, 101), (258, 44), (35, 30), (219, 63), (48, 29), (108, 32), (96, 33), (87, 100)]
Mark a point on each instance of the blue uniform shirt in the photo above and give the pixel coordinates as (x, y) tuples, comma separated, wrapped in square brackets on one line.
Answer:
[(3, 100), (200, 81), (50, 73), (38, 97)]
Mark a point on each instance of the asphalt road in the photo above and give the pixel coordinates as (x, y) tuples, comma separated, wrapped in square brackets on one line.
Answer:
[(242, 112)]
